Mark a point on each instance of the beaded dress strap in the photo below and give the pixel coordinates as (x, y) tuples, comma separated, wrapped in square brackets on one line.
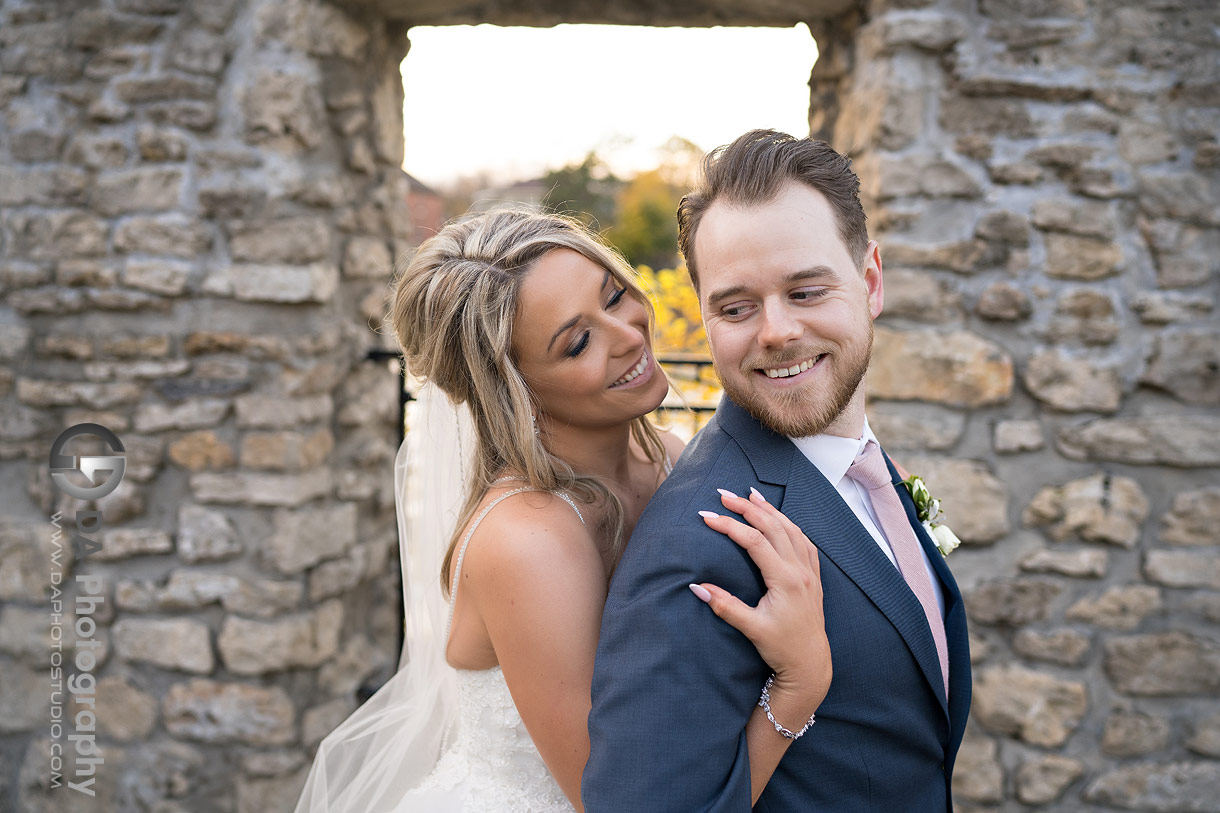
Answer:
[(457, 566)]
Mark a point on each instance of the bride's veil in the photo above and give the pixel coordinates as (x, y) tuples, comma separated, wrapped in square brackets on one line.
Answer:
[(394, 739)]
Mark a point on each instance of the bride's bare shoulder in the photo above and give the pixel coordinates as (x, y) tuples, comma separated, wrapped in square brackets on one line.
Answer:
[(527, 537)]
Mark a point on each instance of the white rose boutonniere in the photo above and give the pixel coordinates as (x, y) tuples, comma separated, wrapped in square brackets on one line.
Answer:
[(927, 509)]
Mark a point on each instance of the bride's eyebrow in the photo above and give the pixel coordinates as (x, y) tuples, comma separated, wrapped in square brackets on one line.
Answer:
[(571, 323)]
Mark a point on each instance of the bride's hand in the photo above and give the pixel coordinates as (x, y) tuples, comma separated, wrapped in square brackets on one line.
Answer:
[(787, 627)]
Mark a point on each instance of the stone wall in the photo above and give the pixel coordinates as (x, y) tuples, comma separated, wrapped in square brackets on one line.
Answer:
[(1043, 179), (199, 205)]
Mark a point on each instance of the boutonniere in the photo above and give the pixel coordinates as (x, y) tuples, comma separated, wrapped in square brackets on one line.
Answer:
[(927, 509)]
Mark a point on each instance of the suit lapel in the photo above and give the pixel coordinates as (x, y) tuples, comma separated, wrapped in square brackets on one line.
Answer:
[(956, 635), (812, 503)]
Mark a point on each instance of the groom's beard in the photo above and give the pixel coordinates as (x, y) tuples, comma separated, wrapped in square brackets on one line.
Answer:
[(806, 410)]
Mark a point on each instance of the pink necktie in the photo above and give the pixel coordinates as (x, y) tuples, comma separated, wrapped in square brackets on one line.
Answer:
[(869, 470)]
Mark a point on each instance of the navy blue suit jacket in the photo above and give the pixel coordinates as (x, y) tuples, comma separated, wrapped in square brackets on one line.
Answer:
[(674, 686)]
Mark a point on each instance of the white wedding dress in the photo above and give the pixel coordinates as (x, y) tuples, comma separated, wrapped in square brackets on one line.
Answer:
[(491, 766)]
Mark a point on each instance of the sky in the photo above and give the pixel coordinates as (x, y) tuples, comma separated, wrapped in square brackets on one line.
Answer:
[(513, 102)]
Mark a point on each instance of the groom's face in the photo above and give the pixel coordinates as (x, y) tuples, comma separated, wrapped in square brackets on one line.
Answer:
[(788, 312)]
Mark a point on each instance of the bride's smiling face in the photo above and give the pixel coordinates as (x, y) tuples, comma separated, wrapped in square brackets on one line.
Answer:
[(582, 343)]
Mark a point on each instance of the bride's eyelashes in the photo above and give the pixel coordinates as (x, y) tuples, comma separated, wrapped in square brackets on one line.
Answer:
[(583, 341)]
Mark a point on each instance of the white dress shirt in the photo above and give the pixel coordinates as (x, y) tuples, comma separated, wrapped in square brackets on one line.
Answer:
[(833, 456)]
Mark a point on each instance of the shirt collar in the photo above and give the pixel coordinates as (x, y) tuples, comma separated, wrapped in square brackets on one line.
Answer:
[(833, 455)]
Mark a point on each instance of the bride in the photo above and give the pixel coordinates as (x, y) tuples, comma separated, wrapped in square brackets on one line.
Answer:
[(535, 342)]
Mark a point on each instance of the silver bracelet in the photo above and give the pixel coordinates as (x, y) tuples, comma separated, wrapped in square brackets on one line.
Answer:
[(764, 700)]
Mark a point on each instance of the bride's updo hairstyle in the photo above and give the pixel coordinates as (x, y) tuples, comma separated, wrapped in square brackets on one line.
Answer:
[(454, 306)]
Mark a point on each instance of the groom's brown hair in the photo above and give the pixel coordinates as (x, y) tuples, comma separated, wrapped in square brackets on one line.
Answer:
[(754, 168)]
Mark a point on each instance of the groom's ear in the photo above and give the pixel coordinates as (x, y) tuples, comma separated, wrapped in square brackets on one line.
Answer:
[(871, 272)]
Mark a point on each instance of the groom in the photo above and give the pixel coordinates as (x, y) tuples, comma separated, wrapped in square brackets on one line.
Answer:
[(789, 285)]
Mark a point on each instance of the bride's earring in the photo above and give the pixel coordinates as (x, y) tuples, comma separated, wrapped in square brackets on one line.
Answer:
[(534, 421)]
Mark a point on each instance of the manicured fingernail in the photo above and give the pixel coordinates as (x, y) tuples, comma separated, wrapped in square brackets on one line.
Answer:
[(708, 514), (700, 591), (725, 493), (757, 493)]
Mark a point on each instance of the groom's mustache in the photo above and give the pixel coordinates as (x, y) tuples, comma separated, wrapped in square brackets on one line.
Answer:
[(785, 360)]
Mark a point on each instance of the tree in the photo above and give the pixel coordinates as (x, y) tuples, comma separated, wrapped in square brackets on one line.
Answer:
[(586, 190)]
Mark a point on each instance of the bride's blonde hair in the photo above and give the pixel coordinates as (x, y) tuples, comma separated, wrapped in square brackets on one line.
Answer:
[(454, 306)]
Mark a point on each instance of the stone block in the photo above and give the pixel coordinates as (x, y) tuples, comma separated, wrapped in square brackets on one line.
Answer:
[(1185, 255), (304, 537), (1168, 307), (1065, 647), (136, 190), (1037, 707), (986, 116), (205, 535), (250, 488), (957, 368), (199, 414), (163, 277), (973, 500), (275, 283), (200, 450), (1186, 364), (26, 552), (271, 412), (358, 660), (123, 543), (167, 235), (314, 27), (1188, 196), (1168, 440), (1085, 218), (167, 87), (1073, 384), (263, 598), (1097, 508), (1180, 787), (260, 647), (924, 427), (39, 392), (1119, 608), (1133, 734), (319, 721), (1070, 256), (369, 258), (1083, 564), (179, 644), (124, 711), (1178, 568), (285, 451), (26, 701), (1044, 779), (291, 241), (978, 775), (926, 176), (961, 257), (1012, 603), (284, 111), (197, 50), (1015, 436), (1205, 736), (1084, 316), (1194, 518), (1143, 142), (921, 296), (1168, 664), (193, 115), (56, 234), (214, 712)]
